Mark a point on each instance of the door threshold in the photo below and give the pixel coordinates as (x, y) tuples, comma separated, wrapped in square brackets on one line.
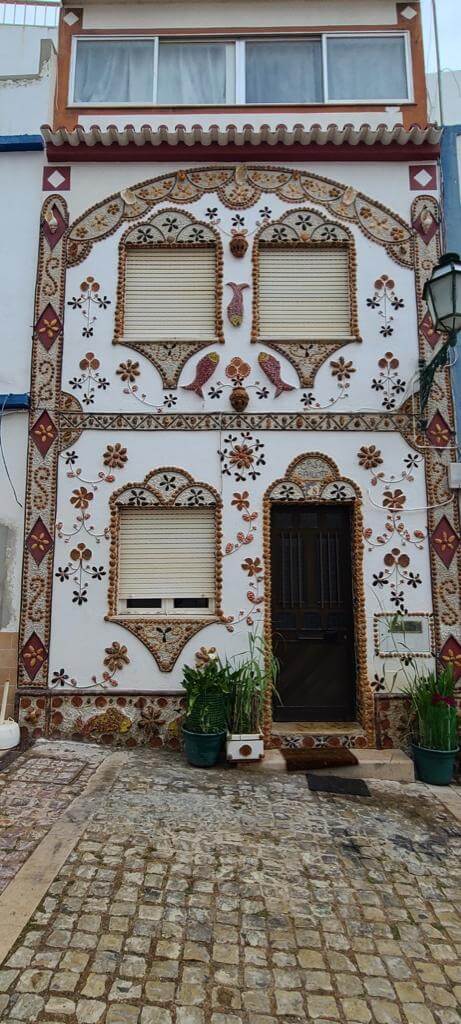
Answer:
[(316, 728)]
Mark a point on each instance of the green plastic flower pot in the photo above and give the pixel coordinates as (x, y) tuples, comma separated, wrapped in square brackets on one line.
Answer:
[(434, 766), (203, 748)]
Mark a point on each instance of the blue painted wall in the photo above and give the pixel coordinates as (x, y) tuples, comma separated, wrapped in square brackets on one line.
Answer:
[(451, 177)]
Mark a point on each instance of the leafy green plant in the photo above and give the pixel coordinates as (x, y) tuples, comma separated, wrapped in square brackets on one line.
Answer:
[(208, 688), (256, 674), (433, 710)]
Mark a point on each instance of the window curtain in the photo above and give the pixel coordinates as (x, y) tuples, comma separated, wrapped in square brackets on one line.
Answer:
[(283, 71), (191, 73), (367, 69), (119, 70)]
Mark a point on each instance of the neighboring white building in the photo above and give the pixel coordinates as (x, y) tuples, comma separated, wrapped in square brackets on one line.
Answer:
[(225, 429), (28, 64), (451, 97)]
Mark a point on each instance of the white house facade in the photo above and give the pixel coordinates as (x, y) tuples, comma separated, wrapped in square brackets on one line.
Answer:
[(226, 433)]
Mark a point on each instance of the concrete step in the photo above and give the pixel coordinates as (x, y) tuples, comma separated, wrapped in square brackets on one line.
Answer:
[(387, 765)]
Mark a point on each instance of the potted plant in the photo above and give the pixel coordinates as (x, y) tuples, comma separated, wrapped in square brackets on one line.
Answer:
[(207, 687), (434, 725), (256, 674)]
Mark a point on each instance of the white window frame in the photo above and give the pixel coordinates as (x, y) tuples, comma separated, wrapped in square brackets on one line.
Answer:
[(166, 609), (388, 101), (236, 69)]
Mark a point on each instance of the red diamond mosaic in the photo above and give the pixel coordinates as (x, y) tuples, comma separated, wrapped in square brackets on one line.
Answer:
[(56, 179), (438, 431), (39, 541), (33, 655), (44, 433), (54, 227), (48, 327), (426, 225), (445, 541), (451, 655), (428, 331), (423, 177)]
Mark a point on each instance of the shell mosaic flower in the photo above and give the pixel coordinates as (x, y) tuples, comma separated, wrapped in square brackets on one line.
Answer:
[(388, 362), (80, 554), (128, 371), (369, 456), (89, 362), (237, 369), (81, 497), (342, 369), (252, 566), (241, 456), (89, 285), (115, 456), (116, 657), (394, 499), (49, 327), (241, 501), (205, 655), (396, 557)]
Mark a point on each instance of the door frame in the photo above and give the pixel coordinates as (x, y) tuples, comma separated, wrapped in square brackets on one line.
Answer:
[(314, 478)]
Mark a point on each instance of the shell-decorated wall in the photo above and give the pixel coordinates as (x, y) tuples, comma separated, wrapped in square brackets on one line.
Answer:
[(236, 424)]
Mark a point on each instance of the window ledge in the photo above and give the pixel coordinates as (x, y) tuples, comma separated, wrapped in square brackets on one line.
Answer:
[(195, 338), (343, 339), (163, 619)]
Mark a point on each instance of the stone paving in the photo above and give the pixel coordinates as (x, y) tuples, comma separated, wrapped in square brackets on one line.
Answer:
[(34, 791), (229, 897)]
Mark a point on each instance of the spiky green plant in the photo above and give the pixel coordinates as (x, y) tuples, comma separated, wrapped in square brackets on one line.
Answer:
[(256, 674), (433, 710)]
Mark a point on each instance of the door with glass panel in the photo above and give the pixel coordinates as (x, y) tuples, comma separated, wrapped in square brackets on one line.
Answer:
[(312, 613)]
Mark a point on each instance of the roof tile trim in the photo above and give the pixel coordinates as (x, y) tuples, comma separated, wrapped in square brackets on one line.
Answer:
[(247, 134)]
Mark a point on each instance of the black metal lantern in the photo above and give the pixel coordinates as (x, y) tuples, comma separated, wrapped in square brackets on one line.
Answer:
[(442, 292)]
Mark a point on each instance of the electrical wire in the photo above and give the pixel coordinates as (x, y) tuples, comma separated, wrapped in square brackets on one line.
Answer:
[(2, 410)]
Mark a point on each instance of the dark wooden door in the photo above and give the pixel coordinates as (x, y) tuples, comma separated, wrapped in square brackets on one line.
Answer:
[(312, 613)]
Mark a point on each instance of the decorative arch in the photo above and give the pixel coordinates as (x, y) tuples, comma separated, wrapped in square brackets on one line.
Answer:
[(295, 230), (170, 229), (169, 487), (240, 187), (315, 477)]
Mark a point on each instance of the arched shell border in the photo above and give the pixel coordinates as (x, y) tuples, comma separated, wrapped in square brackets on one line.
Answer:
[(165, 637)]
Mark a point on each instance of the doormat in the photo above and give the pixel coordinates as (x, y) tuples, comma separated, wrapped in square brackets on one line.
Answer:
[(337, 784), (303, 758)]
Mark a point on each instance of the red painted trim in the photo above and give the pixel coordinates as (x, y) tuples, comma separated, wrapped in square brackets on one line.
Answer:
[(232, 153)]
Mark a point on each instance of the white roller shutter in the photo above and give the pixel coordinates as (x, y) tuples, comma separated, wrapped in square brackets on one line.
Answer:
[(170, 294), (167, 552), (304, 293)]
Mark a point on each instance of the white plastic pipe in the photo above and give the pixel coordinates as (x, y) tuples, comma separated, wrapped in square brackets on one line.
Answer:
[(4, 700)]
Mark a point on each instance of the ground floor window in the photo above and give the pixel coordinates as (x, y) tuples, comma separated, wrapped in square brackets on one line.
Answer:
[(166, 561)]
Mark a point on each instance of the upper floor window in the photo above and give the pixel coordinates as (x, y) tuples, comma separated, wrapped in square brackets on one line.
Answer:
[(331, 68), (304, 276)]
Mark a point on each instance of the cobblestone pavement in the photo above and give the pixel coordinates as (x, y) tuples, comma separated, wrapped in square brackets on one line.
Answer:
[(225, 897), (34, 791)]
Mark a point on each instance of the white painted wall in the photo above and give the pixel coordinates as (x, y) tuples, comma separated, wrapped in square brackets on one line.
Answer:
[(27, 80), (451, 97), (20, 48), (230, 14)]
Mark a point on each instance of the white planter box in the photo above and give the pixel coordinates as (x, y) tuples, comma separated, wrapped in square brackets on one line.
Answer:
[(9, 734), (244, 746)]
